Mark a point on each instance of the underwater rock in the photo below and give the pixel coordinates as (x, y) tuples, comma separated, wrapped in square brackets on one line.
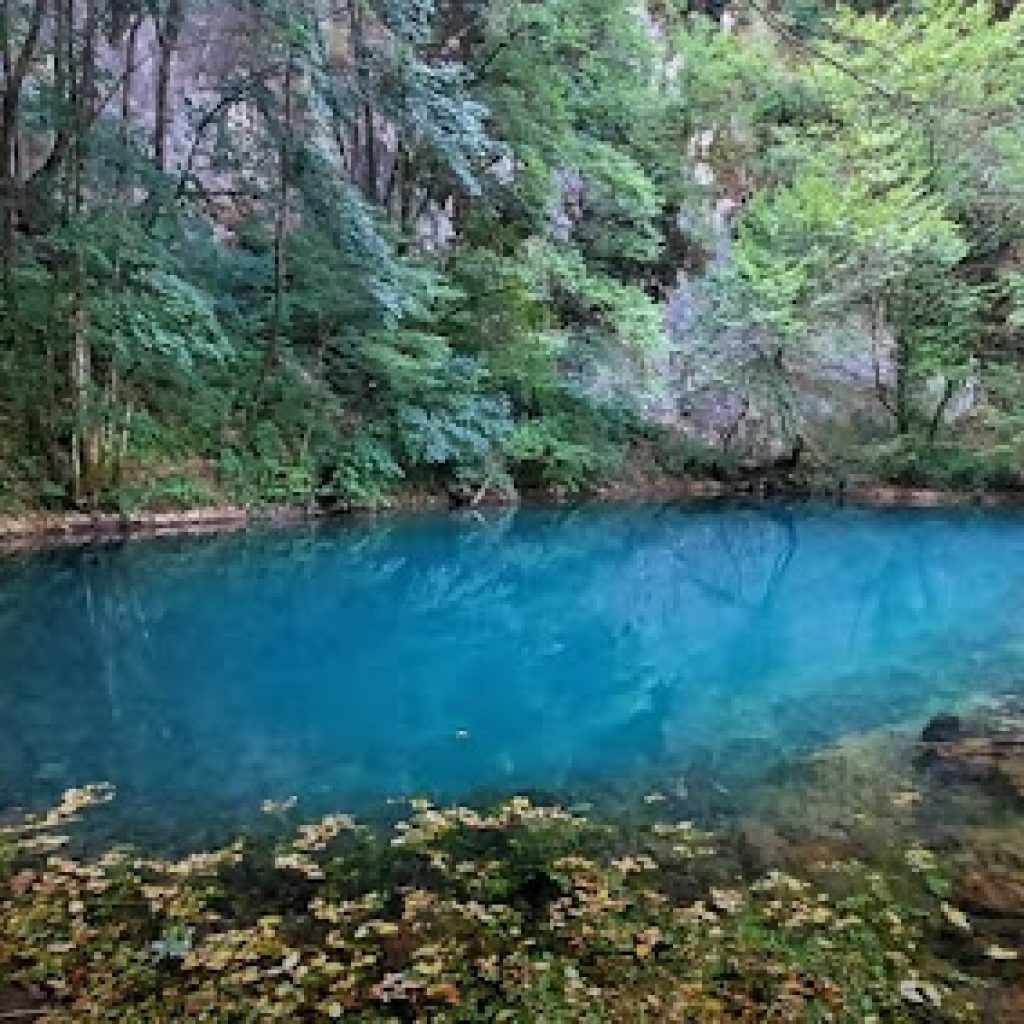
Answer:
[(992, 893), (943, 728), (807, 852), (1005, 1005), (760, 848), (20, 1001), (989, 751)]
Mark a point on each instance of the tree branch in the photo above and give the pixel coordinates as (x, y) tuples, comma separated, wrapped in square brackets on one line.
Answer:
[(24, 58)]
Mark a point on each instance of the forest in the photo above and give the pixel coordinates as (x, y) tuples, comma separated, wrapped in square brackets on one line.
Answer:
[(660, 760), (330, 251)]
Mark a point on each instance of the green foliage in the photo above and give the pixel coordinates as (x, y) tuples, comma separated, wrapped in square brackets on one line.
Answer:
[(876, 220), (362, 470), (425, 246), (913, 461), (172, 492), (549, 452)]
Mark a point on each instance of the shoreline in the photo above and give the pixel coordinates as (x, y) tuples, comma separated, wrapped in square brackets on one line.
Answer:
[(40, 530), (929, 914)]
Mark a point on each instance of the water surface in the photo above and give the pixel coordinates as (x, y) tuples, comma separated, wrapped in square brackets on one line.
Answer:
[(583, 651)]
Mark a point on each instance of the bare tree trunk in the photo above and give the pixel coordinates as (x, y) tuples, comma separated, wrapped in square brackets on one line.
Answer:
[(79, 368), (902, 396), (62, 90), (281, 214), (168, 32), (307, 434), (371, 154), (86, 437), (407, 192), (363, 134), (114, 445), (948, 390), (7, 184), (899, 406), (356, 37), (280, 240), (126, 106), (83, 447), (15, 68), (393, 181), (877, 323)]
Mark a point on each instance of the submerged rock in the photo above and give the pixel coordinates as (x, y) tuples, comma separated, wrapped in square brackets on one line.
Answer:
[(942, 728), (993, 893), (760, 848), (1005, 1006), (21, 1001), (987, 751), (994, 900), (811, 851)]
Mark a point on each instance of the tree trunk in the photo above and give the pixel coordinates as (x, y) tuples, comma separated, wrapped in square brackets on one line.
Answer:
[(84, 454), (7, 129), (356, 37), (948, 390), (371, 154), (407, 192), (280, 243), (364, 134), (15, 68), (86, 435), (877, 323), (167, 37), (126, 108), (281, 214), (392, 181), (902, 396)]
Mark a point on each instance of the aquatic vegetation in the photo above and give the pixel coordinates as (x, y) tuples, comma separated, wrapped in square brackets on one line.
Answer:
[(518, 912)]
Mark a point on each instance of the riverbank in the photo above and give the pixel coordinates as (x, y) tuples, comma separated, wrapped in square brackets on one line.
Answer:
[(41, 529)]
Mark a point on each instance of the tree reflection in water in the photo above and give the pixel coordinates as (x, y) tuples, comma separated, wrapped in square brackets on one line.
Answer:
[(583, 650)]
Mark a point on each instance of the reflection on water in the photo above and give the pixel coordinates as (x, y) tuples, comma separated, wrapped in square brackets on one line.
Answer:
[(581, 650)]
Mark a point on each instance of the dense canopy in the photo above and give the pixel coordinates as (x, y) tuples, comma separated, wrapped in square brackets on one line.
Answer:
[(325, 250)]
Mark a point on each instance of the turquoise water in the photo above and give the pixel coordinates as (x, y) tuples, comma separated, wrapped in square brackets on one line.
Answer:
[(581, 651)]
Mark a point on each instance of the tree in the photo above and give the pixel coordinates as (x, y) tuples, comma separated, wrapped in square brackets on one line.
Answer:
[(867, 224)]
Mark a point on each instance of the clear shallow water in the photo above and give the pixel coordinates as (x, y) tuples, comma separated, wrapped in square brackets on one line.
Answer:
[(584, 651)]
